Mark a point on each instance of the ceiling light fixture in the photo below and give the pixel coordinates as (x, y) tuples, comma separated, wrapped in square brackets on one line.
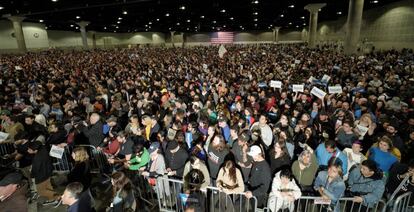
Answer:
[(104, 27), (117, 27), (282, 16), (375, 2), (167, 14), (158, 19), (223, 10), (214, 22), (71, 25), (77, 17), (202, 16), (255, 13), (41, 21), (119, 18), (178, 24), (303, 17), (124, 12), (1, 8), (182, 8), (118, 22), (231, 18), (255, 2), (54, 0), (339, 13), (292, 6), (255, 19), (188, 21)]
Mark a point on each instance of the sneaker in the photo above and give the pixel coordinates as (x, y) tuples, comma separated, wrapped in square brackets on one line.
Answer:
[(50, 202)]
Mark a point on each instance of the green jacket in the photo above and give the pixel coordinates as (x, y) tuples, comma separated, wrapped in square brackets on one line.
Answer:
[(306, 176), (138, 162)]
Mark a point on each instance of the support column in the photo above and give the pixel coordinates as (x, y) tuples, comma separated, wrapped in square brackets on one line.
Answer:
[(304, 34), (82, 26), (313, 22), (93, 39), (353, 26), (172, 37), (276, 35), (18, 32)]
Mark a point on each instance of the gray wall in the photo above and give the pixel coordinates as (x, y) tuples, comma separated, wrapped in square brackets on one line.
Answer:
[(390, 26)]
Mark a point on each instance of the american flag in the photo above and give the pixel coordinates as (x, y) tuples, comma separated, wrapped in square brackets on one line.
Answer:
[(222, 37)]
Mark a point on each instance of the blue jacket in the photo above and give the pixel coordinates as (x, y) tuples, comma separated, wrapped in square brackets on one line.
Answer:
[(226, 133), (370, 189), (333, 190), (324, 156)]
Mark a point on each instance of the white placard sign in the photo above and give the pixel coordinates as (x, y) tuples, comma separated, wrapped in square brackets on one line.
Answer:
[(362, 131), (297, 61), (275, 84), (335, 89), (297, 87), (321, 201), (378, 67), (18, 68), (205, 66), (325, 78), (311, 79), (56, 152), (3, 136), (318, 92)]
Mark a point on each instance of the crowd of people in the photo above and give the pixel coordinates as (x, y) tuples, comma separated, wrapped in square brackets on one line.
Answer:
[(188, 114)]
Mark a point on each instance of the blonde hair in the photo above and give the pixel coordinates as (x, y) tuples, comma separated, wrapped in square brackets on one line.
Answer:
[(80, 154)]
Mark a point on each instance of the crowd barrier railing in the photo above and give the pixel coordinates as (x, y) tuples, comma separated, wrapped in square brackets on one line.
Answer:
[(5, 150), (170, 191), (237, 202), (63, 165), (402, 203), (316, 204), (97, 160)]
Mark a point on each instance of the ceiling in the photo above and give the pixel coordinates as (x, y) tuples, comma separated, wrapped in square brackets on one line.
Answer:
[(175, 15)]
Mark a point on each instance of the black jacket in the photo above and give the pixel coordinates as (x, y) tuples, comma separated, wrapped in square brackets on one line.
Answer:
[(94, 133), (81, 172), (42, 167)]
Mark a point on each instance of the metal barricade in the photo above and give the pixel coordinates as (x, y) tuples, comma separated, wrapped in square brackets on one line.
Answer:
[(311, 204), (98, 160), (63, 165), (5, 150), (144, 191), (237, 202), (402, 203), (170, 193)]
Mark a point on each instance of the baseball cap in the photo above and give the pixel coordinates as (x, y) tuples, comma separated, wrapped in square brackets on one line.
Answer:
[(357, 142), (244, 136), (254, 151), (154, 147)]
